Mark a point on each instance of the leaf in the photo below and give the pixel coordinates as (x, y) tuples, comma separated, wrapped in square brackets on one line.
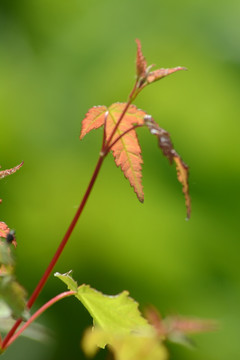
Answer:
[(35, 331), (4, 229), (144, 76), (182, 175), (188, 325), (6, 259), (7, 262), (13, 295), (7, 172), (126, 151), (7, 234), (126, 347), (68, 280), (166, 146), (117, 323), (113, 314), (177, 328), (117, 313), (93, 119), (161, 73), (141, 63)]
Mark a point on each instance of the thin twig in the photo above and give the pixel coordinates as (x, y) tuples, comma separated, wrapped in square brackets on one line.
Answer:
[(38, 313), (57, 253), (105, 146)]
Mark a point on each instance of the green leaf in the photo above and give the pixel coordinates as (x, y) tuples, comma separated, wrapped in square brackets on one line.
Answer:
[(35, 331), (68, 280), (113, 314), (6, 258), (12, 296), (117, 323), (126, 346)]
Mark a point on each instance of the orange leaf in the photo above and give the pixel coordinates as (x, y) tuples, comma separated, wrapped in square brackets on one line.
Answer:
[(182, 175), (4, 229), (144, 75), (7, 172), (93, 119), (177, 324), (192, 325), (127, 151), (141, 63), (161, 73), (166, 145)]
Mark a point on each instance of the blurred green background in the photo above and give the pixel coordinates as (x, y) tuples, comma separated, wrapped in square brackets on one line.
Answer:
[(58, 59)]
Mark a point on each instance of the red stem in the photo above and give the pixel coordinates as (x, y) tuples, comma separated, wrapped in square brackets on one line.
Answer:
[(119, 120), (104, 130), (38, 313), (58, 252), (123, 134), (104, 151)]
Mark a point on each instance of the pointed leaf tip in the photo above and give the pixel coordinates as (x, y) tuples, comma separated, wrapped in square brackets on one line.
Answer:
[(68, 280), (127, 151), (94, 119), (141, 63), (161, 73), (182, 175)]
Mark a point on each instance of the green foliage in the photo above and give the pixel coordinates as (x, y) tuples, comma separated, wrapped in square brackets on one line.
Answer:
[(12, 294), (145, 346), (117, 323), (111, 313), (6, 257)]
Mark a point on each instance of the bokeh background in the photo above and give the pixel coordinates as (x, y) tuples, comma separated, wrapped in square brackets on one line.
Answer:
[(58, 59)]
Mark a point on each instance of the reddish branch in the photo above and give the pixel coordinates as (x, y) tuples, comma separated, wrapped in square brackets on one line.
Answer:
[(104, 151), (58, 252), (38, 313)]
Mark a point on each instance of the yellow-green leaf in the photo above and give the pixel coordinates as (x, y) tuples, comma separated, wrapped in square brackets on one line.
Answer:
[(126, 346), (113, 314)]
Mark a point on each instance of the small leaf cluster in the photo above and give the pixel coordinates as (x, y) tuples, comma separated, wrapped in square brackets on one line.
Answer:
[(120, 121)]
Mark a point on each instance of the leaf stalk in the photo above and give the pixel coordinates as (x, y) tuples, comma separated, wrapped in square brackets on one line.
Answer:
[(38, 313), (57, 254), (123, 134)]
